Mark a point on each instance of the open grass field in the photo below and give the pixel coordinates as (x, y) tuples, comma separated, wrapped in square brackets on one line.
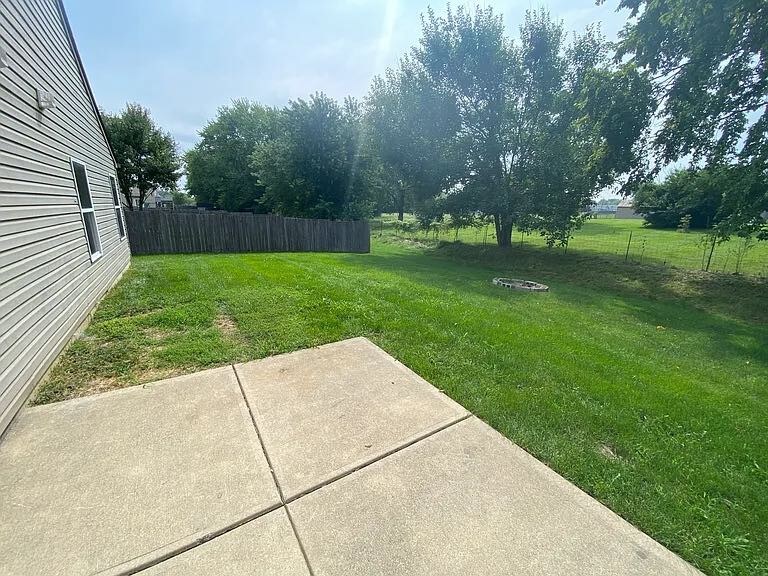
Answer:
[(646, 386), (611, 236)]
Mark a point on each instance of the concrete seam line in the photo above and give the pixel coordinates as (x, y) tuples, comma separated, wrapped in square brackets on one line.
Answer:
[(378, 458), (274, 476), (258, 434), (189, 546)]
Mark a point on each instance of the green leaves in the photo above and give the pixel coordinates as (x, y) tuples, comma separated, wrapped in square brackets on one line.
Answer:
[(709, 66), (146, 156), (218, 167), (316, 166)]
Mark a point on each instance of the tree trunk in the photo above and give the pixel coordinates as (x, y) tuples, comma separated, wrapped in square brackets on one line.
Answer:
[(711, 251), (127, 196), (503, 231), (401, 204)]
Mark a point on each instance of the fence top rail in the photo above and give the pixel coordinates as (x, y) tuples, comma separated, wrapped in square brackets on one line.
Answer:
[(176, 213)]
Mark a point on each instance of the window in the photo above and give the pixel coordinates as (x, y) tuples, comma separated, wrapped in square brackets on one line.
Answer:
[(86, 209), (118, 207)]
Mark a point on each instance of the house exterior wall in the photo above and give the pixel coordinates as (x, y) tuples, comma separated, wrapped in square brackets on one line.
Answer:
[(48, 281), (627, 212)]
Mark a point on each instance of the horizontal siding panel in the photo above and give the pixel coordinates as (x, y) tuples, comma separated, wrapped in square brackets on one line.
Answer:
[(50, 132), (8, 213), (30, 270), (62, 65), (29, 236), (16, 226), (59, 127), (60, 76), (28, 244), (24, 97), (57, 168), (19, 199), (19, 145), (30, 188), (13, 173), (35, 296), (34, 355)]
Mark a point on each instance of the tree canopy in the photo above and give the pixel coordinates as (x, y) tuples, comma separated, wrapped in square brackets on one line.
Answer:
[(708, 61), (146, 156), (316, 165), (219, 169), (411, 127), (696, 193), (528, 131)]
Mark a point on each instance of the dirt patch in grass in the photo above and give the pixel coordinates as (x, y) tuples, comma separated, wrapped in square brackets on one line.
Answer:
[(226, 325), (156, 334), (608, 452)]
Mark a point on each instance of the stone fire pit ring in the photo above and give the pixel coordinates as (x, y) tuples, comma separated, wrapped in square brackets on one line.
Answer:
[(525, 285)]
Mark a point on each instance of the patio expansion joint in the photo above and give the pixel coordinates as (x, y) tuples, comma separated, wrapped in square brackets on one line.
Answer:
[(139, 567), (274, 476), (393, 450)]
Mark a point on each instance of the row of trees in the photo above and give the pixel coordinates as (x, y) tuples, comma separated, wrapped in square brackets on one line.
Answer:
[(696, 195), (304, 160), (523, 133), (470, 124)]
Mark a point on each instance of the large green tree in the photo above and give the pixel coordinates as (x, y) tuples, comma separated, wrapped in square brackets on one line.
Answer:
[(709, 63), (541, 126), (412, 127), (218, 168), (147, 157), (693, 193), (317, 165)]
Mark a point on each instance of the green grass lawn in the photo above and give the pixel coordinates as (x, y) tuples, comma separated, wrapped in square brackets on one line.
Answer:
[(611, 236), (646, 386)]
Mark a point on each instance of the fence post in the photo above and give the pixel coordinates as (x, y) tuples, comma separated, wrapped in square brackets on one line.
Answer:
[(711, 250), (629, 242)]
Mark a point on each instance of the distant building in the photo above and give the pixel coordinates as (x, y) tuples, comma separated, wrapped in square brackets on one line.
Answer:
[(626, 209), (601, 208), (155, 199)]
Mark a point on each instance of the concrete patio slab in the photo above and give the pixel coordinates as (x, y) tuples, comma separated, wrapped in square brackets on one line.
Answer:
[(113, 481), (467, 501), (325, 411), (265, 545)]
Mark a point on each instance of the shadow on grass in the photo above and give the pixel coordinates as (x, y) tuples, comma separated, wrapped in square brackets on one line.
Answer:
[(730, 310)]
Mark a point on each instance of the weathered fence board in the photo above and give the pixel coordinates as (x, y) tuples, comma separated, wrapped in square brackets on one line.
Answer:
[(184, 232)]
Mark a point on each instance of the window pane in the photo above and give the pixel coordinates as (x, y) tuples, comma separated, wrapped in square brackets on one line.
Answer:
[(120, 226), (81, 183), (113, 185), (91, 233)]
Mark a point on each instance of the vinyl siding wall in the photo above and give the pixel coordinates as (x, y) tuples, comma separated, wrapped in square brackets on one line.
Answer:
[(48, 284)]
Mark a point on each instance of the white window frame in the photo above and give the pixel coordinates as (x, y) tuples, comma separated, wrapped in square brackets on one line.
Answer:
[(118, 206), (95, 255)]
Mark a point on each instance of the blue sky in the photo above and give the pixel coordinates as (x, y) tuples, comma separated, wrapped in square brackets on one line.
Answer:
[(185, 58)]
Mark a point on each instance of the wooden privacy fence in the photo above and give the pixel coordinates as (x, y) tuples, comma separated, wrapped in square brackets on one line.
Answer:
[(175, 232)]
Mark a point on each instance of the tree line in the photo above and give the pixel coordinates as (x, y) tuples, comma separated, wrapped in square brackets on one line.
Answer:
[(522, 132)]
